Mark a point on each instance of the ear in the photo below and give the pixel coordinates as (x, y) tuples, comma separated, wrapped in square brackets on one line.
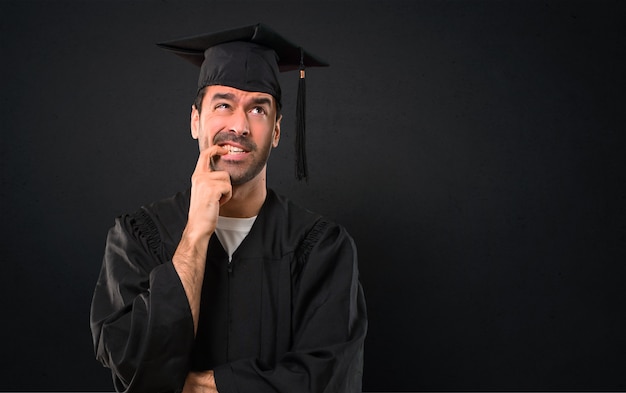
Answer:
[(276, 134), (194, 122)]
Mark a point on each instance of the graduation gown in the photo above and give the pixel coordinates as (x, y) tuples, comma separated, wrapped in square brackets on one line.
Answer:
[(287, 314)]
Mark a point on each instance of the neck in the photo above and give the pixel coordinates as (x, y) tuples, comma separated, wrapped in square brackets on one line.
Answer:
[(247, 199)]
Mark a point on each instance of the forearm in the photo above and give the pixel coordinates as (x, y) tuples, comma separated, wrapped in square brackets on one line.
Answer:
[(189, 261), (200, 382)]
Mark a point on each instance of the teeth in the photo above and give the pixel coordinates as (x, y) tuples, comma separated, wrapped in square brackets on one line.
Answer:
[(233, 149)]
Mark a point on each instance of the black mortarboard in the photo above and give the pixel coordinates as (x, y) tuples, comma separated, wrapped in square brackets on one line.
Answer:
[(250, 58)]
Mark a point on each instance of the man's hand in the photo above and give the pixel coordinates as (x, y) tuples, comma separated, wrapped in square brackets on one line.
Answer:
[(209, 190), (200, 382)]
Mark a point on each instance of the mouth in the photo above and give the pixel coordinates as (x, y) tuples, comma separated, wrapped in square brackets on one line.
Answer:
[(233, 150)]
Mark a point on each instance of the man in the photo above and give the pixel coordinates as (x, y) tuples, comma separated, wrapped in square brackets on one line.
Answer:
[(229, 287)]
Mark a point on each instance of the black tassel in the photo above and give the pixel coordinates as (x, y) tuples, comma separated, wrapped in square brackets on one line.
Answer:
[(301, 166)]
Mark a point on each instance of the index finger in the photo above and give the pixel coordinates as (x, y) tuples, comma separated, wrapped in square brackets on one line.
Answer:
[(206, 155)]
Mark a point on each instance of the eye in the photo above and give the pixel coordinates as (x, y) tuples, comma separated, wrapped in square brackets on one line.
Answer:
[(221, 106), (258, 110)]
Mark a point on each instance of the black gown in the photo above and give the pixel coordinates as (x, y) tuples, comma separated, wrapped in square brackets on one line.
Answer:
[(287, 314)]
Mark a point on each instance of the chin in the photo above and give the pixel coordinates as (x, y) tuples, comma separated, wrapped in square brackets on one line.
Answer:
[(239, 178)]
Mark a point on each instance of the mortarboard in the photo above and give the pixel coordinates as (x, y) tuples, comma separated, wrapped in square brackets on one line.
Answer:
[(250, 58)]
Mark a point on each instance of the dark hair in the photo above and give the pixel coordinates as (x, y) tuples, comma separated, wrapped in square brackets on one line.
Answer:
[(200, 96)]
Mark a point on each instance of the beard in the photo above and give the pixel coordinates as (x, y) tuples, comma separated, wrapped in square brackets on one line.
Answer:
[(241, 172)]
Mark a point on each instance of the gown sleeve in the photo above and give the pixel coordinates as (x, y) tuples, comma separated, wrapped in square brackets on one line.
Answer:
[(329, 325), (140, 319)]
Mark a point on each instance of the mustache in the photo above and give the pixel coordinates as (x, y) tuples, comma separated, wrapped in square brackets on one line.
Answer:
[(222, 137)]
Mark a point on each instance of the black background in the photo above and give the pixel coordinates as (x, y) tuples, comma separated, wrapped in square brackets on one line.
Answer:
[(474, 150)]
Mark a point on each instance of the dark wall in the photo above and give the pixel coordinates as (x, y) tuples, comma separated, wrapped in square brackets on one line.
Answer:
[(474, 149)]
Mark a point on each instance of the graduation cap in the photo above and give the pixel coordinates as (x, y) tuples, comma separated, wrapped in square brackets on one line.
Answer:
[(250, 58)]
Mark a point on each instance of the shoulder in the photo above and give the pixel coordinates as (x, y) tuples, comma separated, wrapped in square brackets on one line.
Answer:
[(169, 213), (306, 228), (292, 217), (289, 210), (158, 225)]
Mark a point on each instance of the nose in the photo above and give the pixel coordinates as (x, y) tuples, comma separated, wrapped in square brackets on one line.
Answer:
[(239, 123)]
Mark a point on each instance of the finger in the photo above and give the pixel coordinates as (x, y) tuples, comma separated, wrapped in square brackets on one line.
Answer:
[(227, 193), (212, 185), (221, 184), (206, 155)]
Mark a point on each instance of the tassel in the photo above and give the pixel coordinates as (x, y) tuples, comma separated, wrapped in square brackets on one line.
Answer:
[(301, 166)]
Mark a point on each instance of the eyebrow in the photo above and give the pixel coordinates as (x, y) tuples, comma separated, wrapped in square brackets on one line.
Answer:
[(262, 101), (231, 97), (223, 96)]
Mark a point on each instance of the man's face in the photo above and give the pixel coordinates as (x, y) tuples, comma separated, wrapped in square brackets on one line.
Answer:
[(243, 122)]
